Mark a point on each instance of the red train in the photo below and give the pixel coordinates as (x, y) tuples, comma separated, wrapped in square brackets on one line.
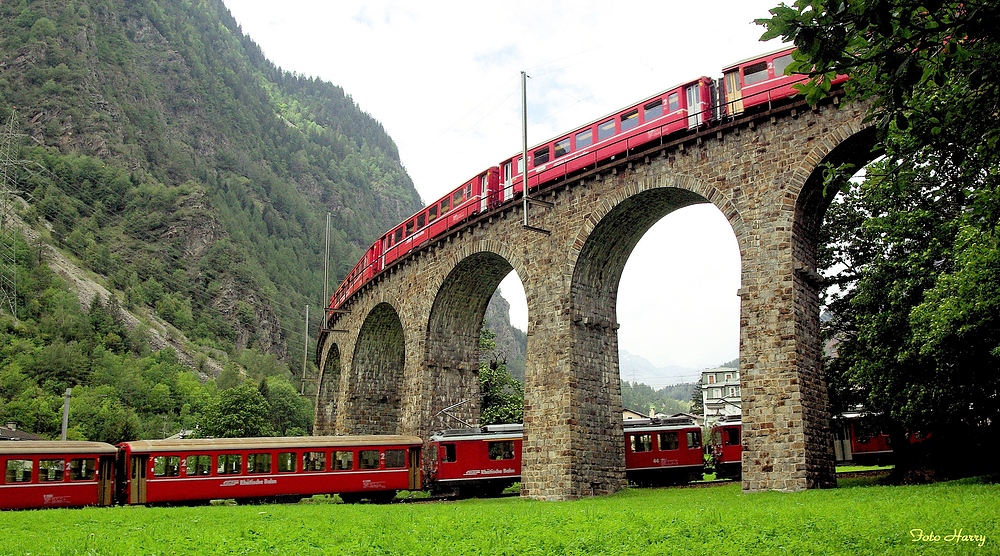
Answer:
[(484, 461), (856, 441), (727, 448), (749, 85), (44, 474)]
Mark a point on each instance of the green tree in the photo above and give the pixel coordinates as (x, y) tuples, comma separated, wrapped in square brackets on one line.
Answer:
[(915, 314), (501, 398), (238, 412), (290, 414)]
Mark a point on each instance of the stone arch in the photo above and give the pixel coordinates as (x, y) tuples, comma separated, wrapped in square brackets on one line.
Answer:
[(593, 296), (329, 390), (453, 329), (373, 394)]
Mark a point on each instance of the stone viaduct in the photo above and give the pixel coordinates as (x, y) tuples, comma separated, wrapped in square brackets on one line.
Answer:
[(406, 346)]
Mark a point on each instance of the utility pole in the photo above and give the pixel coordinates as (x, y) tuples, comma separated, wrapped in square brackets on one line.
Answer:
[(526, 200), (305, 352), (8, 245), (326, 263), (65, 423)]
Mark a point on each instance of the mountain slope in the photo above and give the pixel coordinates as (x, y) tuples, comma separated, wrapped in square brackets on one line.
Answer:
[(173, 159)]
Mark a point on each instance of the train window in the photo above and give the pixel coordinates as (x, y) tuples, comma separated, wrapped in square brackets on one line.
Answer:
[(397, 236), (780, 63), (432, 214), (409, 228), (449, 455), (673, 102), (652, 110), (51, 469), (503, 449), (541, 157), (314, 461), (395, 459), (199, 465), (166, 466), (343, 460), (641, 442), (458, 197), (468, 190), (445, 206), (258, 463), (562, 147), (81, 469), (630, 119), (229, 464), (18, 471), (605, 130), (421, 221), (732, 436), (755, 73), (668, 441), (584, 139), (286, 462), (368, 459), (694, 439)]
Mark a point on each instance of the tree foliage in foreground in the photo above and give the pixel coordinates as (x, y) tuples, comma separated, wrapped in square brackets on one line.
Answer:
[(917, 313), (501, 397)]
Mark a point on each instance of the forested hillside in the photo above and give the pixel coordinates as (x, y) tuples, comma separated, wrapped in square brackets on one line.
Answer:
[(161, 152)]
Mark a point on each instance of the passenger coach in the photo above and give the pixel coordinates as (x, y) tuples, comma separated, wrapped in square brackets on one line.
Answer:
[(50, 474), (253, 469)]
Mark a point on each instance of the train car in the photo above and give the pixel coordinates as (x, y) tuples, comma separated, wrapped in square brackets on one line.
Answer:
[(256, 469), (760, 82), (52, 474), (663, 451), (475, 462), (727, 448), (479, 194), (680, 108), (858, 441)]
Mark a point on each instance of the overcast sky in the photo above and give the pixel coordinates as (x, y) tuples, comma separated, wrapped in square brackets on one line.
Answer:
[(443, 78)]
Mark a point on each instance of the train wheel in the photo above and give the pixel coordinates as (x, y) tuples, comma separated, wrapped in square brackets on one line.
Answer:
[(350, 497), (382, 497)]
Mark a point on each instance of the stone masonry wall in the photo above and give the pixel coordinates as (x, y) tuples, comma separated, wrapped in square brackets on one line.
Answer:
[(754, 170)]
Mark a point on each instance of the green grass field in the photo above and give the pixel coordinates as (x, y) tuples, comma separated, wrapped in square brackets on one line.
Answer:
[(857, 518)]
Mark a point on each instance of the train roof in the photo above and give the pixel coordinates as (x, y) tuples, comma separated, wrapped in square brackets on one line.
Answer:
[(512, 430), (31, 447), (269, 443), (734, 65)]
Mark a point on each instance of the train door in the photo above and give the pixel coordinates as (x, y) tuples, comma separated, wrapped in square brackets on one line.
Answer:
[(106, 481), (415, 483), (507, 191), (695, 117), (734, 94), (841, 442), (137, 478), (484, 192)]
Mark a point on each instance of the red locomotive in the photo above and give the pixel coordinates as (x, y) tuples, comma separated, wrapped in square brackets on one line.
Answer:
[(484, 461), (753, 84), (663, 451), (475, 462)]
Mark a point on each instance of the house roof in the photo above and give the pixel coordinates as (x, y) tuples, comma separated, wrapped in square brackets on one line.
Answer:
[(15, 434)]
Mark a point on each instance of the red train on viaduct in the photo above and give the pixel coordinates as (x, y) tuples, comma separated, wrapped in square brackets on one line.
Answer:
[(748, 86)]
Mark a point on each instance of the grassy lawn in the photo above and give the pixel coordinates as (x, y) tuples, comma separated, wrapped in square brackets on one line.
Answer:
[(857, 518)]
